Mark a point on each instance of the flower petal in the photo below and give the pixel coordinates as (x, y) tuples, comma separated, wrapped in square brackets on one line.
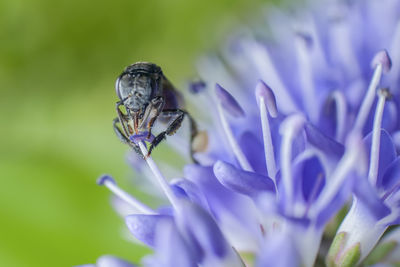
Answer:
[(391, 176), (204, 230), (171, 249), (336, 203), (369, 197), (250, 146), (313, 178), (278, 251), (327, 145), (191, 191), (143, 227), (244, 182)]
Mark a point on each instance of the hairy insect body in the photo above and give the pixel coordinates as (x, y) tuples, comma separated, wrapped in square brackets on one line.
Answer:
[(144, 93)]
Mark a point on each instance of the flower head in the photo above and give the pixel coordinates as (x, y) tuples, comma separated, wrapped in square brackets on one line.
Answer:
[(297, 125)]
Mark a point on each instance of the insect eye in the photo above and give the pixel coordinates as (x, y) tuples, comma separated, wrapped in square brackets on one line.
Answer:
[(124, 86)]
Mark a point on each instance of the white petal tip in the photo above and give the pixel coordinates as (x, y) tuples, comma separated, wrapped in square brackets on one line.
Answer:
[(264, 91), (382, 58)]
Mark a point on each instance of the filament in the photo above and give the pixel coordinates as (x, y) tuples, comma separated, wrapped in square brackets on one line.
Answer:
[(114, 188), (376, 136), (268, 145), (232, 142), (369, 99)]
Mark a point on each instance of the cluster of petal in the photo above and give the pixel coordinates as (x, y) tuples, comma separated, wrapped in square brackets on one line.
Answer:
[(298, 125)]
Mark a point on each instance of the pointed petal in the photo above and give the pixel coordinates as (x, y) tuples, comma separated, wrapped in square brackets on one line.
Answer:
[(327, 145), (228, 102)]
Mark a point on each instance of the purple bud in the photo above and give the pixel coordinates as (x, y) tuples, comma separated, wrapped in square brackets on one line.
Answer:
[(228, 102), (197, 87), (263, 90), (104, 178), (306, 38), (382, 57)]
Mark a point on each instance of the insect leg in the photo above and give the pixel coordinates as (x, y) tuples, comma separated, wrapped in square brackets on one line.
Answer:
[(174, 126), (156, 107), (124, 139), (121, 118)]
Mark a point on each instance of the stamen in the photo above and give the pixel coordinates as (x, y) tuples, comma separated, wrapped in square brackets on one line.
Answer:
[(383, 94), (353, 158), (265, 95), (289, 128), (237, 151), (160, 178), (381, 62), (341, 111), (113, 187)]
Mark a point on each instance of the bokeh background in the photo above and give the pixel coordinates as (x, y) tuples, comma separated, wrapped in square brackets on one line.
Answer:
[(58, 64)]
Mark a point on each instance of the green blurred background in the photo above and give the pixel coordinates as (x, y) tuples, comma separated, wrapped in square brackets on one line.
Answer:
[(58, 64)]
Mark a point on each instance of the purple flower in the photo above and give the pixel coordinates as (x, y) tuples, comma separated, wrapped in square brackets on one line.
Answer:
[(298, 122)]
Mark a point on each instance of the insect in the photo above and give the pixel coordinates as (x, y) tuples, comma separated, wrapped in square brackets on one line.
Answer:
[(144, 94)]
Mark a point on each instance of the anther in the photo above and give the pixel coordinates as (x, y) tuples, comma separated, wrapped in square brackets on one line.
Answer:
[(265, 92), (228, 102), (382, 58)]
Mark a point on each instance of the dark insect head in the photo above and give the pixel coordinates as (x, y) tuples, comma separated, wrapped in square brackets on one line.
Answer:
[(138, 85)]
